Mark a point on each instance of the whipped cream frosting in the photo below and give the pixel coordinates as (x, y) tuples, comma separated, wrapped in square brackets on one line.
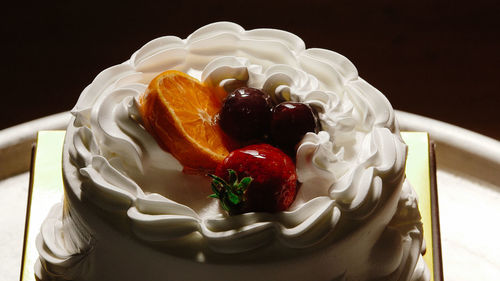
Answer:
[(347, 171)]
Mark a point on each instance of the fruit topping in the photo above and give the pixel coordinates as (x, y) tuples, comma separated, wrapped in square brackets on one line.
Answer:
[(180, 112), (245, 114), (290, 121), (268, 180)]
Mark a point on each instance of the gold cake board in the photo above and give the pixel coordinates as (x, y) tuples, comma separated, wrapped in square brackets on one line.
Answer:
[(46, 189)]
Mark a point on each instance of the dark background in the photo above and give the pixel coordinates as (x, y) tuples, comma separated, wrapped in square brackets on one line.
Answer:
[(438, 59)]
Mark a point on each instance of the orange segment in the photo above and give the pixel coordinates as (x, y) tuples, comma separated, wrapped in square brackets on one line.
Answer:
[(180, 113)]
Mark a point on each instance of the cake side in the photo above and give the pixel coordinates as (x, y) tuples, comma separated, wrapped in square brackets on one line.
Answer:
[(112, 246), (352, 197)]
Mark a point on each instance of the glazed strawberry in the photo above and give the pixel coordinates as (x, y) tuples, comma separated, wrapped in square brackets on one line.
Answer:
[(268, 180)]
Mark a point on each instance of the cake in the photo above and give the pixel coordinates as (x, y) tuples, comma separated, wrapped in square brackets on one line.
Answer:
[(132, 211)]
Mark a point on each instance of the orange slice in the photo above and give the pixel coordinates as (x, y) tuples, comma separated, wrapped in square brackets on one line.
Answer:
[(179, 112)]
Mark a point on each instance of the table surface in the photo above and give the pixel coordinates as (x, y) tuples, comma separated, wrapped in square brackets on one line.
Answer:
[(468, 191)]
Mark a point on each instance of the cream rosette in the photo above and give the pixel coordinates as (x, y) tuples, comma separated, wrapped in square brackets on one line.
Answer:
[(347, 170)]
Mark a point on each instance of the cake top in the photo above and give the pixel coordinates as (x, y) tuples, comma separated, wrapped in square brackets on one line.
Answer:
[(346, 170)]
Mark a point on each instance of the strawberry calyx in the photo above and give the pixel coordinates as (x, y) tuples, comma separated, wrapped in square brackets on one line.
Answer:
[(231, 193)]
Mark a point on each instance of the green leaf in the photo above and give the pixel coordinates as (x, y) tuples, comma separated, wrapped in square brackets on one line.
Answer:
[(233, 177), (231, 193), (219, 182), (224, 206), (233, 198), (244, 183), (215, 189), (213, 176)]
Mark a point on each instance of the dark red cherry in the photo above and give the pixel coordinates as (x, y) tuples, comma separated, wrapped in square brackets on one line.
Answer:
[(290, 121), (245, 114)]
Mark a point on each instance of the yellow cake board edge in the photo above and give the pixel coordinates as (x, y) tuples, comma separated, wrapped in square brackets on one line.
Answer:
[(46, 189), (418, 171)]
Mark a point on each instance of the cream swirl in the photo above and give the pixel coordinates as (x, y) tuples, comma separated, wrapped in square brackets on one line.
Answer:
[(347, 170), (63, 243)]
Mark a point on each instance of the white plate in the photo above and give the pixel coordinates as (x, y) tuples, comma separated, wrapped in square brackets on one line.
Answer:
[(468, 189), (468, 176)]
